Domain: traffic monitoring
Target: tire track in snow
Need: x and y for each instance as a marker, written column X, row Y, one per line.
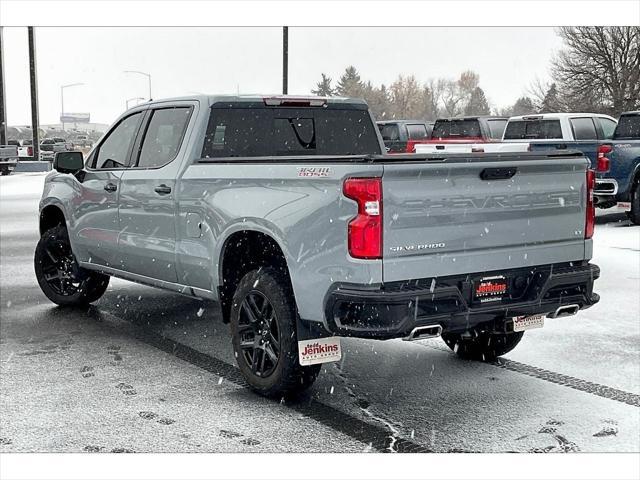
column 559, row 379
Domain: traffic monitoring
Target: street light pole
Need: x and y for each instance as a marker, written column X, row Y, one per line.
column 285, row 60
column 131, row 100
column 3, row 109
column 146, row 75
column 62, row 87
column 33, row 80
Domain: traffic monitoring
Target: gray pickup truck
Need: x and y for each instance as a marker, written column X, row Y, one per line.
column 286, row 211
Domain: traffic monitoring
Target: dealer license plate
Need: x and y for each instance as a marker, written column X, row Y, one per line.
column 520, row 324
column 490, row 289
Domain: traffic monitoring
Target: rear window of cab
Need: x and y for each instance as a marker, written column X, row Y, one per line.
column 628, row 128
column 257, row 132
column 533, row 129
column 456, row 129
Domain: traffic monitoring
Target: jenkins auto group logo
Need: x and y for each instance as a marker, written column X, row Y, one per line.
column 319, row 350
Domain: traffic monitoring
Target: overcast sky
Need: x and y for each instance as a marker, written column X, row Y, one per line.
column 190, row 60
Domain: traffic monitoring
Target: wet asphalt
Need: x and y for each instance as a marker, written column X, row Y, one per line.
column 144, row 370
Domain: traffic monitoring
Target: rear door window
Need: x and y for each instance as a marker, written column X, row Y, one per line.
column 583, row 128
column 389, row 132
column 496, row 128
column 456, row 129
column 533, row 129
column 163, row 136
column 608, row 127
column 417, row 131
column 628, row 128
column 255, row 132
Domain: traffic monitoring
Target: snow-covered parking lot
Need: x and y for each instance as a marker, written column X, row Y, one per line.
column 147, row 371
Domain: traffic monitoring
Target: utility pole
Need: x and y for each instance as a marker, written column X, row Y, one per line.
column 34, row 93
column 285, row 60
column 3, row 108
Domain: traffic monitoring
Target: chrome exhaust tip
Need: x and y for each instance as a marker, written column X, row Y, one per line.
column 565, row 311
column 426, row 331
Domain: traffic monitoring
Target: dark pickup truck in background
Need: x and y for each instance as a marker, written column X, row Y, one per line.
column 401, row 136
column 619, row 185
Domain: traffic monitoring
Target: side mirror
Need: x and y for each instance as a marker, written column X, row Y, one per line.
column 68, row 162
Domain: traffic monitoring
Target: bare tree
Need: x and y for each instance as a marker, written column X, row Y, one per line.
column 452, row 100
column 600, row 67
column 406, row 98
column 432, row 93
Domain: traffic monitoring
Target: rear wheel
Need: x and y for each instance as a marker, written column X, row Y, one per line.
column 60, row 277
column 634, row 214
column 263, row 318
column 482, row 346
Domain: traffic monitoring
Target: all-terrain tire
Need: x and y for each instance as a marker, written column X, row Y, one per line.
column 60, row 277
column 272, row 331
column 484, row 346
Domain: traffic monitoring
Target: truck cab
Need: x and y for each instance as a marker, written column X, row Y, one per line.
column 402, row 136
column 587, row 132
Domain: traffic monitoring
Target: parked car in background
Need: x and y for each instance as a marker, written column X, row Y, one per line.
column 11, row 154
column 50, row 146
column 619, row 186
column 401, row 136
column 286, row 211
column 586, row 132
column 24, row 148
column 82, row 141
column 449, row 133
column 8, row 159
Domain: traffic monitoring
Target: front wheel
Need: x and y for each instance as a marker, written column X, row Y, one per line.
column 60, row 277
column 482, row 346
column 263, row 328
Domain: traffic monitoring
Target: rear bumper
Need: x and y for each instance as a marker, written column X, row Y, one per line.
column 394, row 310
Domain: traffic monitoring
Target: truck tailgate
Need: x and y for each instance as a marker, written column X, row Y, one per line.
column 484, row 213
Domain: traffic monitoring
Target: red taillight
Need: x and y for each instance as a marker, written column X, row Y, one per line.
column 591, row 209
column 603, row 164
column 29, row 151
column 365, row 230
column 411, row 146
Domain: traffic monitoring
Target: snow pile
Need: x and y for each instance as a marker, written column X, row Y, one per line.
column 22, row 185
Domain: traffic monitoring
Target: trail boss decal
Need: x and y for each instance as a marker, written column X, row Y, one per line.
column 314, row 172
column 319, row 350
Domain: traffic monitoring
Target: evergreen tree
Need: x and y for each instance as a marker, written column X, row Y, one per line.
column 477, row 104
column 323, row 87
column 523, row 106
column 350, row 84
column 551, row 102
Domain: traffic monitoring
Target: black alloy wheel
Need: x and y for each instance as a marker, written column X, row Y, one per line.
column 259, row 334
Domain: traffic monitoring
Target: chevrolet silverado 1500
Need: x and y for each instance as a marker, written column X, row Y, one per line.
column 285, row 210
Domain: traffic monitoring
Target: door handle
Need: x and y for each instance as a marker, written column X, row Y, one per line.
column 498, row 173
column 110, row 187
column 162, row 189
